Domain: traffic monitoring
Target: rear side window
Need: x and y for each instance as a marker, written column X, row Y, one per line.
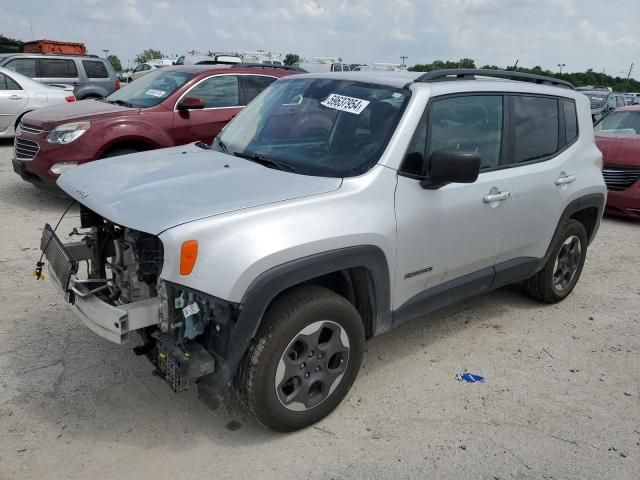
column 25, row 66
column 57, row 68
column 570, row 121
column 218, row 92
column 95, row 69
column 467, row 123
column 536, row 127
column 7, row 83
column 254, row 84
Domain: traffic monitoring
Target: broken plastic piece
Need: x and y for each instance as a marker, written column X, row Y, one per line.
column 469, row 377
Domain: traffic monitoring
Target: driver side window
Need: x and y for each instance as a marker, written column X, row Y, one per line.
column 461, row 123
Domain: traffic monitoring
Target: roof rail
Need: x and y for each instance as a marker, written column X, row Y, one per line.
column 472, row 73
column 268, row 65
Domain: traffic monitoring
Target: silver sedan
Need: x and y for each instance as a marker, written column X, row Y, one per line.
column 20, row 95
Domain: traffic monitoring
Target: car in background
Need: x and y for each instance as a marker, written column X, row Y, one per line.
column 618, row 137
column 209, row 59
column 603, row 101
column 147, row 67
column 20, row 95
column 90, row 76
column 169, row 107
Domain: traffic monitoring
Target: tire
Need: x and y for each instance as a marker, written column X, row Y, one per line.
column 305, row 330
column 554, row 283
column 119, row 151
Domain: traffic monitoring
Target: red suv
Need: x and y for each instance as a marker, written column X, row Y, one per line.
column 171, row 106
column 618, row 136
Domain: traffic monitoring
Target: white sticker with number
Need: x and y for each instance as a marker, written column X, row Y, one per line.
column 156, row 93
column 192, row 309
column 345, row 104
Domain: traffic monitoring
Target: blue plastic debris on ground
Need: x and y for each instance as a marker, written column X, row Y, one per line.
column 469, row 377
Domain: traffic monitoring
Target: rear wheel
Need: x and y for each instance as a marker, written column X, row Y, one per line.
column 303, row 360
column 561, row 272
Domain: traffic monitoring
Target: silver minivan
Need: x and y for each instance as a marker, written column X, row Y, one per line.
column 91, row 76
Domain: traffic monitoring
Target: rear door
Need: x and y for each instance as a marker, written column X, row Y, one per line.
column 544, row 131
column 12, row 101
column 58, row 70
column 222, row 101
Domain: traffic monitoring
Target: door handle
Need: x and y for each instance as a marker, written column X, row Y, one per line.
column 15, row 97
column 496, row 197
column 563, row 179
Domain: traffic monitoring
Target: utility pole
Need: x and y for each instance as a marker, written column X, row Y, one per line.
column 31, row 28
column 561, row 65
column 106, row 53
column 403, row 58
column 626, row 86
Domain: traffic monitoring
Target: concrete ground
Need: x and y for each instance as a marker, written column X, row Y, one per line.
column 561, row 398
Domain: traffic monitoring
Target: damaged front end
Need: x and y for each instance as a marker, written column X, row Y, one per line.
column 111, row 277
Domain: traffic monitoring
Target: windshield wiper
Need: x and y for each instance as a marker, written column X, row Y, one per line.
column 221, row 144
column 267, row 162
column 121, row 102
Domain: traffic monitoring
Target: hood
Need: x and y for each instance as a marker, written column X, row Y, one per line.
column 159, row 189
column 619, row 149
column 76, row 111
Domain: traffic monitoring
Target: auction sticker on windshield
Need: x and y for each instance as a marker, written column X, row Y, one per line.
column 155, row 93
column 345, row 104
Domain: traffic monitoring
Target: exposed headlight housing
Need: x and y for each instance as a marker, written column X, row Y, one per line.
column 61, row 167
column 68, row 132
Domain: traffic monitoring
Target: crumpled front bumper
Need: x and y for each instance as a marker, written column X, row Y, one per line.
column 111, row 322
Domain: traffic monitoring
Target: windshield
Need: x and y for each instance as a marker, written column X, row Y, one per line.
column 314, row 126
column 597, row 99
column 623, row 123
column 151, row 89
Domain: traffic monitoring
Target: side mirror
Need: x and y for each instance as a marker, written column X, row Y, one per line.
column 451, row 167
column 191, row 103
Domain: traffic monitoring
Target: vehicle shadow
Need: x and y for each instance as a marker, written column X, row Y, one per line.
column 101, row 392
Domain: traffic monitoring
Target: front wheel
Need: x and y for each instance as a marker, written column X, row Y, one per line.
column 561, row 272
column 303, row 360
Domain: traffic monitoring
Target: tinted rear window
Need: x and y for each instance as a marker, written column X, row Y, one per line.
column 57, row 68
column 570, row 121
column 536, row 127
column 95, row 69
column 254, row 84
column 7, row 83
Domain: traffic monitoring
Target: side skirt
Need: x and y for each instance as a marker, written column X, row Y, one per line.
column 467, row 286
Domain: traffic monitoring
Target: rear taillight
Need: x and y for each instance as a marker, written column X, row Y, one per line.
column 70, row 98
column 117, row 84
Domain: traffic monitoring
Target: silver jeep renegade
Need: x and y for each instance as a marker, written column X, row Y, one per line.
column 333, row 208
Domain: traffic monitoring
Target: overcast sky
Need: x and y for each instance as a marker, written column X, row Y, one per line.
column 579, row 33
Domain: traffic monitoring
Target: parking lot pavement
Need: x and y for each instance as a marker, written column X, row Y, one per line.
column 561, row 397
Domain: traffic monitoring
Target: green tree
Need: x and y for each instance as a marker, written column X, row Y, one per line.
column 291, row 58
column 115, row 62
column 147, row 55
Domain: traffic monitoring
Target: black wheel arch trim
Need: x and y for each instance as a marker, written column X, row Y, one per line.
column 592, row 200
column 274, row 281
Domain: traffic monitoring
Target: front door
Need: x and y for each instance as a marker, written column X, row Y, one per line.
column 221, row 97
column 450, row 237
column 12, row 101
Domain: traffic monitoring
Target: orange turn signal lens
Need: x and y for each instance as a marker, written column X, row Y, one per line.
column 188, row 256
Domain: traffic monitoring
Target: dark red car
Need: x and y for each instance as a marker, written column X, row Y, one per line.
column 618, row 137
column 171, row 106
